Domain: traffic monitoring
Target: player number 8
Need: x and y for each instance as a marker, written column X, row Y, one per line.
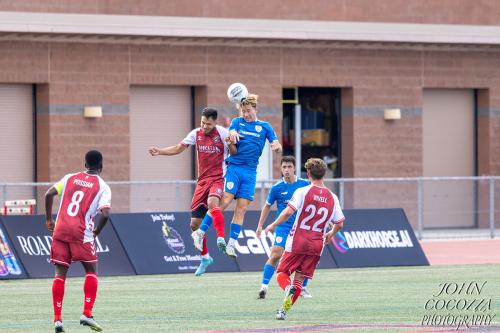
column 74, row 206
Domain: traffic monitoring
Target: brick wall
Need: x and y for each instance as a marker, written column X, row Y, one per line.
column 423, row 11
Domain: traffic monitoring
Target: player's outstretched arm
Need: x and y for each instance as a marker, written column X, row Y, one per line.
column 330, row 234
column 263, row 216
column 169, row 151
column 231, row 146
column 102, row 221
column 49, row 200
column 284, row 216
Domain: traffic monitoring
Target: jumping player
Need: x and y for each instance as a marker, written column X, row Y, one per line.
column 212, row 148
column 281, row 193
column 317, row 207
column 83, row 195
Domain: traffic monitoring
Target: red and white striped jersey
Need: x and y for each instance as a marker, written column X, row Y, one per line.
column 83, row 195
column 211, row 150
column 316, row 207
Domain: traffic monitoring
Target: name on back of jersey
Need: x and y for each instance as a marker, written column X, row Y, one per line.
column 320, row 198
column 82, row 183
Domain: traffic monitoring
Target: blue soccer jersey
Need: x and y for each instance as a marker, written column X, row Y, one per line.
column 280, row 193
column 253, row 141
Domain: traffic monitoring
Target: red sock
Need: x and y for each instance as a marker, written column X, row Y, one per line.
column 298, row 285
column 218, row 221
column 205, row 248
column 57, row 297
column 283, row 280
column 90, row 292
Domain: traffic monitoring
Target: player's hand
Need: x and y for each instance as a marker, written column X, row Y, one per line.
column 276, row 147
column 154, row 151
column 235, row 136
column 328, row 236
column 50, row 225
column 269, row 228
column 258, row 231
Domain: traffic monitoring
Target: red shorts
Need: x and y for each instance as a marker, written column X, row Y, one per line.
column 303, row 263
column 204, row 189
column 64, row 253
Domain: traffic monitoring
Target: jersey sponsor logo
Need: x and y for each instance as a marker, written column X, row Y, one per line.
column 258, row 128
column 284, row 193
column 349, row 240
column 83, row 183
column 173, row 239
column 249, row 243
column 209, row 149
column 250, row 133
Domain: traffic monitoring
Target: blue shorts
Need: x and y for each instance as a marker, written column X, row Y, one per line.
column 240, row 181
column 280, row 236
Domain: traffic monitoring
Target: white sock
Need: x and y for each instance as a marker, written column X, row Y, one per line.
column 231, row 242
column 205, row 256
column 264, row 286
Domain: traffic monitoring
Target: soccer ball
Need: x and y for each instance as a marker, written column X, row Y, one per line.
column 237, row 92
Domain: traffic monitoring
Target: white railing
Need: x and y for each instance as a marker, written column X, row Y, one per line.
column 457, row 206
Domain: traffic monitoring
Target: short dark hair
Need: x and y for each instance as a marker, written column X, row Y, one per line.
column 316, row 168
column 288, row 159
column 93, row 159
column 209, row 113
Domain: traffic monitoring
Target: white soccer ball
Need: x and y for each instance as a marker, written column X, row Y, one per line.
column 237, row 92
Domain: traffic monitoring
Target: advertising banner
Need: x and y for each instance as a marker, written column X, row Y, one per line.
column 10, row 265
column 377, row 237
column 32, row 241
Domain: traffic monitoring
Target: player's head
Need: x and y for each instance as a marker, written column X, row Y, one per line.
column 93, row 160
column 288, row 166
column 208, row 120
column 248, row 107
column 316, row 168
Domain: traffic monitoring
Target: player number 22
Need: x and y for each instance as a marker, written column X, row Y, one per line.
column 74, row 206
column 311, row 209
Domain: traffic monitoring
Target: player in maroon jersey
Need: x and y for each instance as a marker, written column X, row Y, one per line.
column 211, row 142
column 317, row 208
column 83, row 195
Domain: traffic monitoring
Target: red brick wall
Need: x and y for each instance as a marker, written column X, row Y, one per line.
column 423, row 11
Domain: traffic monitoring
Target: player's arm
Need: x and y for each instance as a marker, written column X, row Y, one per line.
column 273, row 139
column 276, row 146
column 263, row 216
column 49, row 200
column 330, row 234
column 284, row 216
column 103, row 219
column 169, row 151
column 231, row 146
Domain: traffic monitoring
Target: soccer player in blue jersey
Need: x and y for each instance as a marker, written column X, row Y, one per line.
column 249, row 134
column 280, row 193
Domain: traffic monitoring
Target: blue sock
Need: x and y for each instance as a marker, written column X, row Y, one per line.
column 304, row 284
column 267, row 273
column 206, row 223
column 234, row 231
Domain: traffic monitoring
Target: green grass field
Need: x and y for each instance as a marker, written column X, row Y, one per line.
column 227, row 301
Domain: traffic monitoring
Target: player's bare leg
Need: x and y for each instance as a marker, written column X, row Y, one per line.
column 238, row 217
column 90, row 291
column 58, row 295
column 274, row 257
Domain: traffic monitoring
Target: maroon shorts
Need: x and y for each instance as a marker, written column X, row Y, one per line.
column 204, row 189
column 64, row 253
column 303, row 263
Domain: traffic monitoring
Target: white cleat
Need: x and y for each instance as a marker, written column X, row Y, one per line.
column 58, row 327
column 305, row 293
column 197, row 236
column 90, row 322
column 231, row 251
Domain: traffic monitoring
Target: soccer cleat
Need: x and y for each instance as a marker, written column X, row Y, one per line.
column 288, row 301
column 197, row 236
column 305, row 293
column 280, row 314
column 231, row 251
column 262, row 293
column 204, row 263
column 58, row 327
column 90, row 322
column 221, row 244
